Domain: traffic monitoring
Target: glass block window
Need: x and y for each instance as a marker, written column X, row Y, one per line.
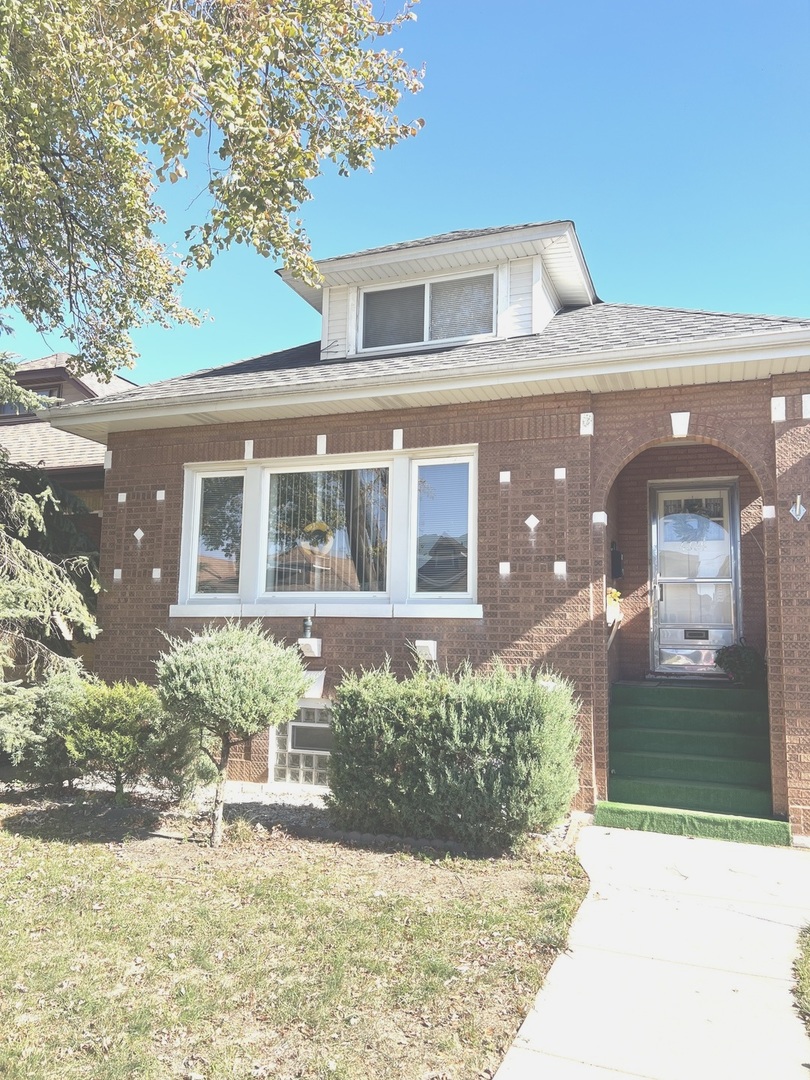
column 219, row 540
column 327, row 531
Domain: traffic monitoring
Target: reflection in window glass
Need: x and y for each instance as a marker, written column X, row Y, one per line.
column 442, row 522
column 220, row 537
column 328, row 531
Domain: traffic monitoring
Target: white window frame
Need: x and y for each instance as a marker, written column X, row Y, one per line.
column 267, row 595
column 472, row 516
column 426, row 341
column 253, row 601
column 188, row 573
column 305, row 724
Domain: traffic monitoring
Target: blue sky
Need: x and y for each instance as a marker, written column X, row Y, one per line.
column 674, row 135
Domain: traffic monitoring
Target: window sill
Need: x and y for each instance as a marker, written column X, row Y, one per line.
column 323, row 610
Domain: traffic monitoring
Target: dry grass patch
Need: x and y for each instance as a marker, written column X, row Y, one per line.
column 152, row 957
column 801, row 969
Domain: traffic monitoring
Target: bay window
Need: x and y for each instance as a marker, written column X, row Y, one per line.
column 391, row 535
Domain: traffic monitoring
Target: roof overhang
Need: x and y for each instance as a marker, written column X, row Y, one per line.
column 739, row 359
column 555, row 241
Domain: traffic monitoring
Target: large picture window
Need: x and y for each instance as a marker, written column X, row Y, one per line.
column 388, row 536
column 327, row 531
column 434, row 311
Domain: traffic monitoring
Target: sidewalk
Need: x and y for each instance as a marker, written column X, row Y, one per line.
column 679, row 966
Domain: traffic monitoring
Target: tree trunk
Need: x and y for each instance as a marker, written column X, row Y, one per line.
column 219, row 793
column 119, row 789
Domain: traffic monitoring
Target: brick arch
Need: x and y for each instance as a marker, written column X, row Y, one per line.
column 708, row 428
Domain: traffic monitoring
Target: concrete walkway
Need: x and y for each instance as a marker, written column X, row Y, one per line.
column 679, row 966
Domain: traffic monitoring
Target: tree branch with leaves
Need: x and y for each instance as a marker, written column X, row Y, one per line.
column 101, row 103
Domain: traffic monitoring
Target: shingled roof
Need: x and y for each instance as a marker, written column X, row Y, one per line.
column 600, row 328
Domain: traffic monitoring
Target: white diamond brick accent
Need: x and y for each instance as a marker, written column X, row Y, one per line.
column 532, row 521
column 139, row 534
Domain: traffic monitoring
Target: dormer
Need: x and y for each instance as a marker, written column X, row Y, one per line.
column 483, row 285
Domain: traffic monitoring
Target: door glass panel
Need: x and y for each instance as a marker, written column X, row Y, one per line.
column 696, row 604
column 694, row 538
column 695, row 587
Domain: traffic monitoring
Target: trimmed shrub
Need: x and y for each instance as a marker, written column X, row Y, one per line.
column 481, row 759
column 45, row 759
column 115, row 733
column 225, row 684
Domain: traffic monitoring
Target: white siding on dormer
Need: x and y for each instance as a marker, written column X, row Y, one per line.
column 519, row 319
column 336, row 322
column 545, row 302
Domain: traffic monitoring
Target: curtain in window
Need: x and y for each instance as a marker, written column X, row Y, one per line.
column 394, row 316
column 327, row 531
column 461, row 308
column 442, row 521
column 220, row 537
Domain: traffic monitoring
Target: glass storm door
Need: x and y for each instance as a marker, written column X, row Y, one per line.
column 695, row 590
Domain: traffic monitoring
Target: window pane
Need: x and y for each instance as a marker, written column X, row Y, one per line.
column 220, row 534
column 442, row 528
column 310, row 737
column 394, row 316
column 328, row 531
column 461, row 308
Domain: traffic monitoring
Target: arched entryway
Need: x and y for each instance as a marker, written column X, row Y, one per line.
column 686, row 518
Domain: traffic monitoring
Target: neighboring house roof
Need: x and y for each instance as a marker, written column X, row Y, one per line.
column 31, row 441
column 49, row 449
column 60, row 361
column 596, row 348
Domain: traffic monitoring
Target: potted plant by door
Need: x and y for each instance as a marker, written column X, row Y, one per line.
column 613, row 606
column 743, row 664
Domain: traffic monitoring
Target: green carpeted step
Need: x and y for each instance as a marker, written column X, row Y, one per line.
column 705, row 743
column 708, row 695
column 721, row 770
column 691, row 795
column 703, row 719
column 746, row 830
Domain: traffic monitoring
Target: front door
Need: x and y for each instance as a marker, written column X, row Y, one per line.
column 694, row 547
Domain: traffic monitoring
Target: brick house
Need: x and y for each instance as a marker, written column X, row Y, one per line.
column 473, row 453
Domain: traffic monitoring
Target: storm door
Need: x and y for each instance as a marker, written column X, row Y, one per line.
column 695, row 574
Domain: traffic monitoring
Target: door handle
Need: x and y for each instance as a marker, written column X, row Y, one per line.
column 660, row 593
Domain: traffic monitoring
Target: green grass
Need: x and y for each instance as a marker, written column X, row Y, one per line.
column 276, row 957
column 801, row 970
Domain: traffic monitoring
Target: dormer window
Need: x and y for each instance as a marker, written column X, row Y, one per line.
column 9, row 409
column 449, row 309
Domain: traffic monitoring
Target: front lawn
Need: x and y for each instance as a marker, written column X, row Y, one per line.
column 125, row 954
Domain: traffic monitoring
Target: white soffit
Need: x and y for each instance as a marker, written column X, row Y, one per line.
column 556, row 242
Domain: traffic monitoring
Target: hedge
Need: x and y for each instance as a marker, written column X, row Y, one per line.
column 480, row 759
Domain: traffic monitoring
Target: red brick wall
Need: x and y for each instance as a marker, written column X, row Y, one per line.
column 530, row 616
